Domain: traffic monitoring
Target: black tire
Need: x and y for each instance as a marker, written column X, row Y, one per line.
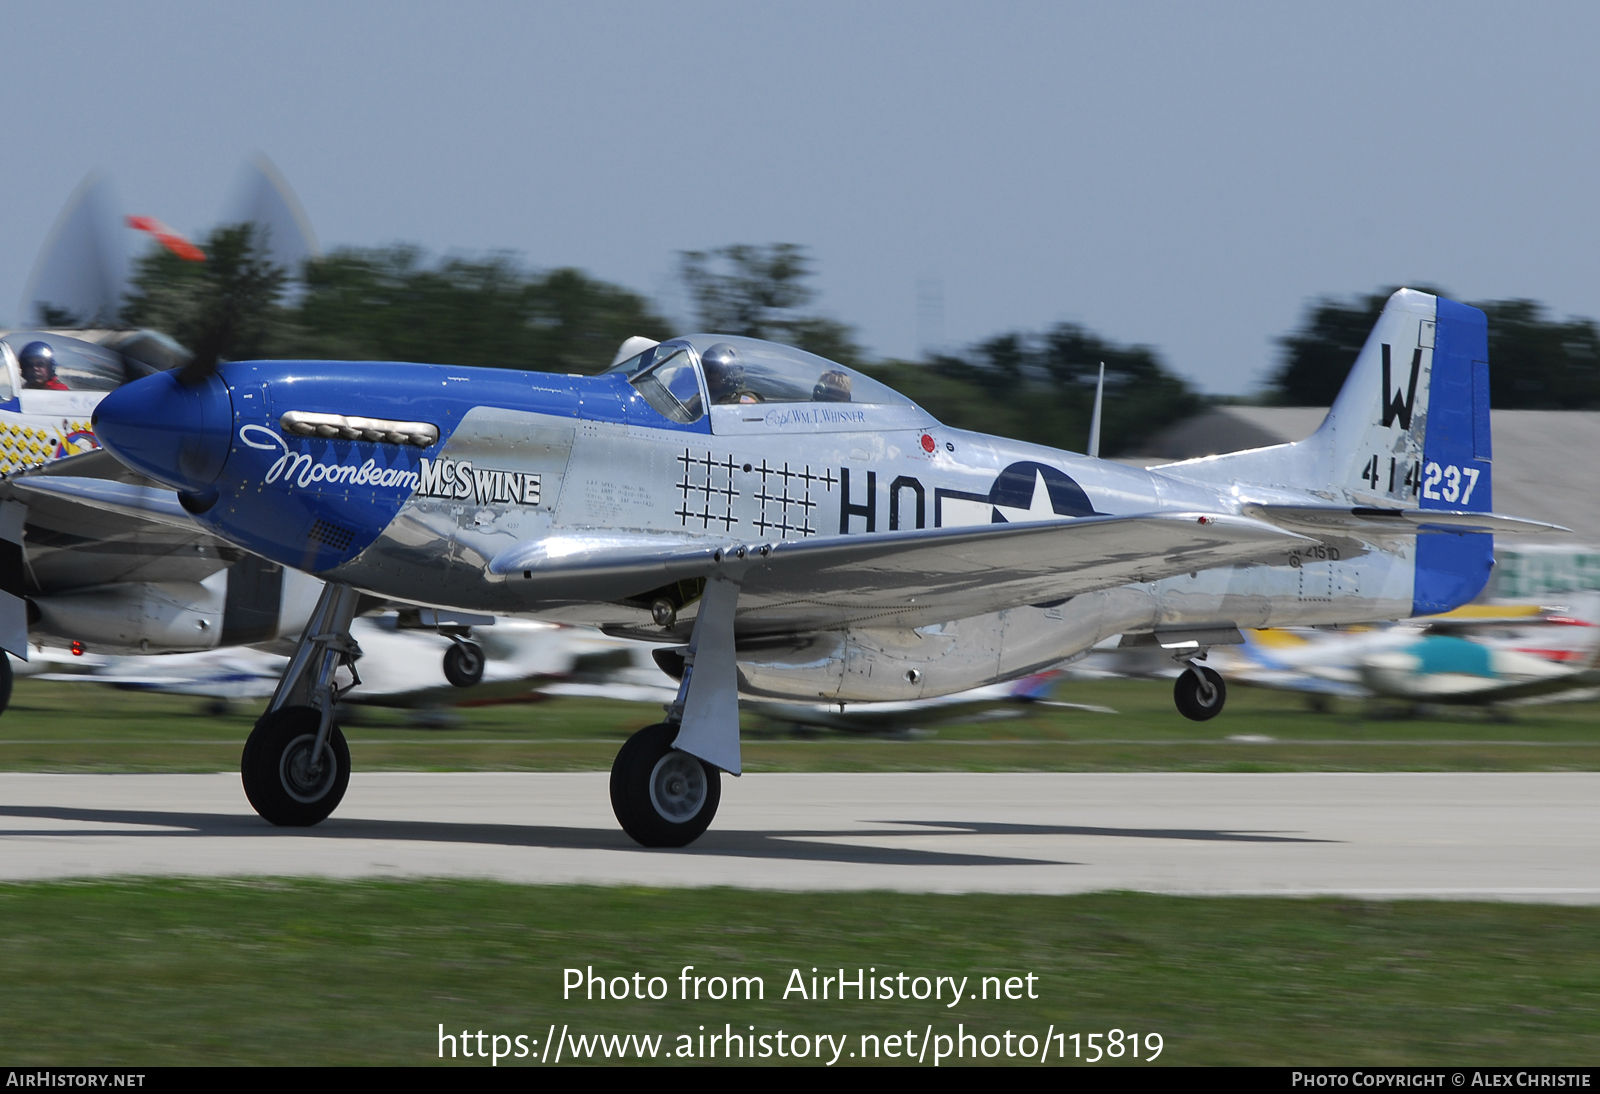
column 273, row 768
column 663, row 797
column 7, row 679
column 463, row 664
column 1200, row 693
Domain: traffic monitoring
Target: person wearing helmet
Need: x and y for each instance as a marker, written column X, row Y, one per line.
column 833, row 386
column 38, row 363
column 725, row 376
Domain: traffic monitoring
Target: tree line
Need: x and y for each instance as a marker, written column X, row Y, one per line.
column 396, row 304
column 1537, row 362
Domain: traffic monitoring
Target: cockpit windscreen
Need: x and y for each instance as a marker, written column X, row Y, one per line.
column 746, row 370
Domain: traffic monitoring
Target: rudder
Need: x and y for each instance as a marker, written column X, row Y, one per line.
column 1457, row 462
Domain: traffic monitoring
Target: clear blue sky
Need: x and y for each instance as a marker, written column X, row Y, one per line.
column 1182, row 175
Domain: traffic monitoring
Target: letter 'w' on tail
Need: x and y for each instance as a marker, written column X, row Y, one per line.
column 1396, row 407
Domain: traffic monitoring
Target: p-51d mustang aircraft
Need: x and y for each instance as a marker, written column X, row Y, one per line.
column 790, row 529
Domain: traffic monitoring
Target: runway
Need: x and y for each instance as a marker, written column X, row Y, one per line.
column 1509, row 836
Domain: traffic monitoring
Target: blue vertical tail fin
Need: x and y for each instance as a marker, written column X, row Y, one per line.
column 1410, row 428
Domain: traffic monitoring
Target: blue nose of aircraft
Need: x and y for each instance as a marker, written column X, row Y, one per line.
column 174, row 433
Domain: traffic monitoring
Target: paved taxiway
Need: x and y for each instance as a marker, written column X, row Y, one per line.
column 1529, row 837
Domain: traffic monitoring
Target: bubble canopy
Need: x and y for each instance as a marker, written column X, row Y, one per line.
column 747, row 370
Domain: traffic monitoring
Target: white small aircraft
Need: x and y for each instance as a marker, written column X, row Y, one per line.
column 1480, row 655
column 403, row 666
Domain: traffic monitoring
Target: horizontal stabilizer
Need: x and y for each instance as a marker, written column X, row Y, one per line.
column 1318, row 519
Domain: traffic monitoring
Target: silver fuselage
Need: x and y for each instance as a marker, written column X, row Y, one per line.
column 768, row 474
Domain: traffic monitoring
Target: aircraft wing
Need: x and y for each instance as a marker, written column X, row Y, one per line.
column 86, row 520
column 1289, row 680
column 94, row 464
column 131, row 503
column 1579, row 680
column 908, row 578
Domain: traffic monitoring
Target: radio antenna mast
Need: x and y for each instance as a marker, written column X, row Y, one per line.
column 1094, row 423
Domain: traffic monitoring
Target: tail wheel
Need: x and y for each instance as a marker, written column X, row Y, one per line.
column 280, row 780
column 663, row 797
column 1199, row 693
column 463, row 664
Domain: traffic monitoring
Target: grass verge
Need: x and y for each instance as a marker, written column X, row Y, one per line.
column 88, row 727
column 318, row 972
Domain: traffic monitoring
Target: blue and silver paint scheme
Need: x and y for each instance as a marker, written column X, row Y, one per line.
column 525, row 470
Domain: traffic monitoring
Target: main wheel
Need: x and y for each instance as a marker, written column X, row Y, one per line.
column 7, row 678
column 663, row 797
column 1199, row 693
column 463, row 664
column 279, row 778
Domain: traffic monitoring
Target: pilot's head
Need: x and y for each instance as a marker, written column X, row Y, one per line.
column 833, row 386
column 38, row 363
column 724, row 373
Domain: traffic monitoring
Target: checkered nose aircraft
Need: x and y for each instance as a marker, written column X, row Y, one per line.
column 78, row 569
column 786, row 528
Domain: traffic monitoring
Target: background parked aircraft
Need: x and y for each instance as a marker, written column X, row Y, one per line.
column 1478, row 655
column 409, row 667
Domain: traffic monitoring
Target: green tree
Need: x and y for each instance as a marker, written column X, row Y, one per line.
column 389, row 304
column 1535, row 362
column 757, row 291
column 393, row 303
column 225, row 308
column 1539, row 363
column 1040, row 388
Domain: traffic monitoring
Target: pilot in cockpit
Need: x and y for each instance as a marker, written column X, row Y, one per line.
column 833, row 386
column 725, row 376
column 38, row 363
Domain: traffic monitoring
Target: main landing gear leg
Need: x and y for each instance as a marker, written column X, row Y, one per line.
column 296, row 764
column 666, row 781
